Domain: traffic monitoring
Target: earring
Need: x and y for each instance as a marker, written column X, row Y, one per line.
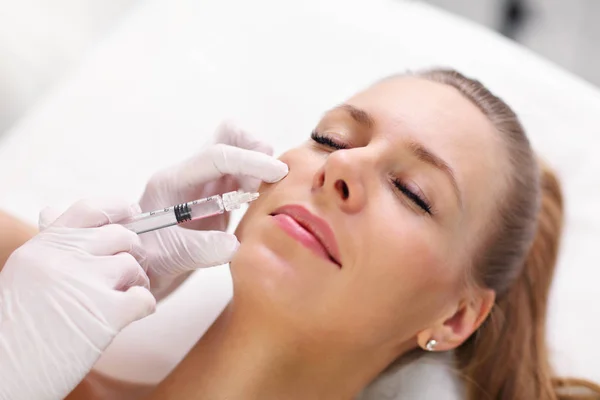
column 430, row 346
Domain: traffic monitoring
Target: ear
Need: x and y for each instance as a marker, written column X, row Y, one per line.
column 452, row 330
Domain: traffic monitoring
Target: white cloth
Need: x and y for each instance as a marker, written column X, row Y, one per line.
column 431, row 376
column 162, row 81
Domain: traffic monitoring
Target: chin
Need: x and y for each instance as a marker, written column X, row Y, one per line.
column 277, row 276
column 268, row 290
column 264, row 265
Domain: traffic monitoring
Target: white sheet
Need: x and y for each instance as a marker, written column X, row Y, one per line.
column 158, row 85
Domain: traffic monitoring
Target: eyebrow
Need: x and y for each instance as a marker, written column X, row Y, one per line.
column 421, row 152
column 427, row 156
column 359, row 116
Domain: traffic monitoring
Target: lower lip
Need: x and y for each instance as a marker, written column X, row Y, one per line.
column 295, row 230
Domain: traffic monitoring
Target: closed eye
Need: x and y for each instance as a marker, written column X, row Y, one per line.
column 327, row 141
column 414, row 197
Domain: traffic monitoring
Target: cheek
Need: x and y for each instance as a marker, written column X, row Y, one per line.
column 408, row 264
column 402, row 244
column 402, row 280
column 412, row 248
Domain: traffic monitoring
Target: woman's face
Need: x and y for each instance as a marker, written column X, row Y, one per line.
column 368, row 238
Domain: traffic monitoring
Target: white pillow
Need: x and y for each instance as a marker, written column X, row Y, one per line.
column 157, row 87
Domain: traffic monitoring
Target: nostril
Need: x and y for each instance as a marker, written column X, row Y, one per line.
column 321, row 180
column 342, row 188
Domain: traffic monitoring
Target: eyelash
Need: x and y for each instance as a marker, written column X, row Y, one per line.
column 415, row 198
column 327, row 141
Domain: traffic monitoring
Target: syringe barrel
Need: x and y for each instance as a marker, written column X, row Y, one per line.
column 206, row 207
column 178, row 214
column 190, row 211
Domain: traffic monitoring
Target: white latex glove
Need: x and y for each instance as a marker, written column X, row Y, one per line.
column 64, row 295
column 235, row 161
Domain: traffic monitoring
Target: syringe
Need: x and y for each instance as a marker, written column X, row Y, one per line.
column 190, row 211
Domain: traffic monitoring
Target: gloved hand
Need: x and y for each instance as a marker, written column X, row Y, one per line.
column 235, row 161
column 64, row 295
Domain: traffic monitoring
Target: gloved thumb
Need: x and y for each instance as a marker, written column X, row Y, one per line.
column 136, row 303
column 47, row 217
column 191, row 249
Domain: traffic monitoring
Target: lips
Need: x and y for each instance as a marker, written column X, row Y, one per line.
column 311, row 231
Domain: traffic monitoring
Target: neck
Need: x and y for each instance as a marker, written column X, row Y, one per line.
column 240, row 360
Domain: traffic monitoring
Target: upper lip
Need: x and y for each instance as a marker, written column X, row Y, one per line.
column 317, row 226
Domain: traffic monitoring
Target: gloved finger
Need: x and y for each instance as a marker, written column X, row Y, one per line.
column 189, row 250
column 127, row 272
column 220, row 160
column 133, row 304
column 250, row 184
column 113, row 239
column 95, row 213
column 119, row 272
column 229, row 133
column 47, row 217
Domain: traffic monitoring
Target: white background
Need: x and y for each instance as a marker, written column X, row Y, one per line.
column 157, row 85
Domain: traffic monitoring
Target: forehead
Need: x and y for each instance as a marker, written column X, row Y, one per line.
column 440, row 118
column 429, row 111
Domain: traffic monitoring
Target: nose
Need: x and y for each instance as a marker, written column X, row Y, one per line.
column 342, row 179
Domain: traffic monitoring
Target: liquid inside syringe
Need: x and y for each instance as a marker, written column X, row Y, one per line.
column 190, row 211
